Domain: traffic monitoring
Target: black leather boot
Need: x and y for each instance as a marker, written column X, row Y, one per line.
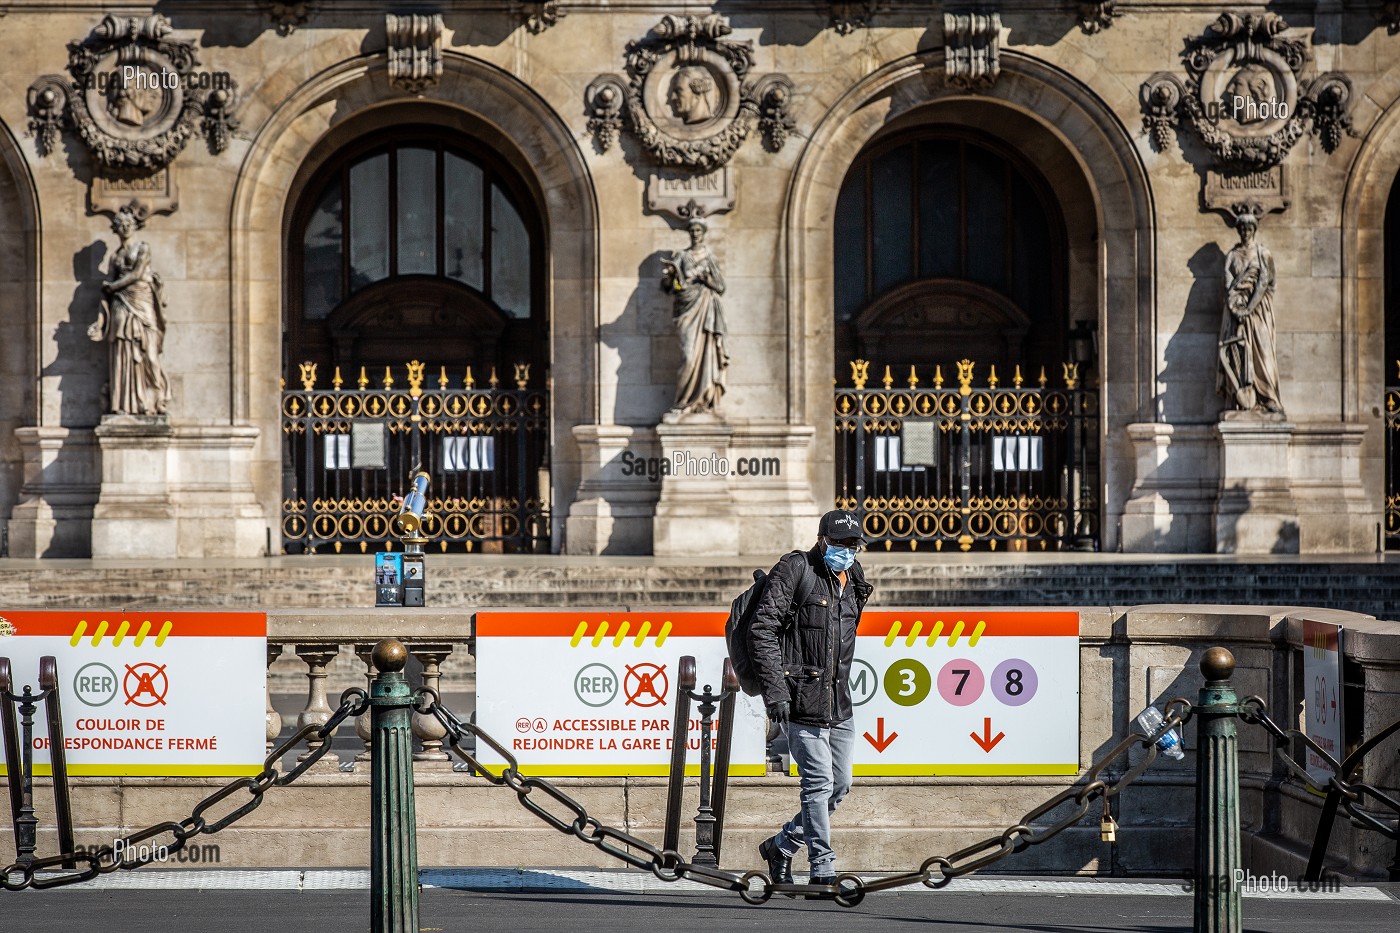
column 779, row 865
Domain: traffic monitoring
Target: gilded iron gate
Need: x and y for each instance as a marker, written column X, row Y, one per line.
column 348, row 451
column 1013, row 466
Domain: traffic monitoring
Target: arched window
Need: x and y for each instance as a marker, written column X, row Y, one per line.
column 948, row 245
column 421, row 248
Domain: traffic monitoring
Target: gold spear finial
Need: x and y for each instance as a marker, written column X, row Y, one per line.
column 992, row 379
column 337, row 381
column 388, row 378
column 363, row 380
column 913, row 378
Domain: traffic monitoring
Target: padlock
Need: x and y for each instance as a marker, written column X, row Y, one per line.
column 1108, row 830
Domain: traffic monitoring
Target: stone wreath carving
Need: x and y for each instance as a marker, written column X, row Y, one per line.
column 1244, row 95
column 688, row 98
column 135, row 97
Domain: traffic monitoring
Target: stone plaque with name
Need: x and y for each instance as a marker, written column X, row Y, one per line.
column 157, row 192
column 1267, row 188
column 670, row 193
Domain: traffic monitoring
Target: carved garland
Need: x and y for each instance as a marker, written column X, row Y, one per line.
column 1233, row 44
column 696, row 43
column 153, row 142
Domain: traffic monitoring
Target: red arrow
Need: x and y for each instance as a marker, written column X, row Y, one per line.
column 985, row 740
column 884, row 741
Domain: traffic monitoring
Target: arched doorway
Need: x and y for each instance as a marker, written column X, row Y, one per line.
column 951, row 272
column 416, row 324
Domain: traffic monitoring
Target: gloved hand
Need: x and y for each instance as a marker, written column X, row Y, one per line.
column 779, row 712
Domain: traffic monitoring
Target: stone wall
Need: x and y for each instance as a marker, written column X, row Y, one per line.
column 1145, row 260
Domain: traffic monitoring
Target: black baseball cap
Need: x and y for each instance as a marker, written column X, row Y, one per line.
column 838, row 525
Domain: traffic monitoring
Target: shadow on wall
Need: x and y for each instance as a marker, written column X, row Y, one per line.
column 1252, row 535
column 648, row 353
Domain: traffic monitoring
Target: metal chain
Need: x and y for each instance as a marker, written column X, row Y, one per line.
column 756, row 887
column 103, row 861
column 1254, row 711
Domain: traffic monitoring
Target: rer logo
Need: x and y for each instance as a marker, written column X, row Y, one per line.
column 95, row 684
column 145, row 684
column 595, row 685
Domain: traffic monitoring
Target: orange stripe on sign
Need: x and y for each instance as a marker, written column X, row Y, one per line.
column 587, row 627
column 968, row 621
column 118, row 623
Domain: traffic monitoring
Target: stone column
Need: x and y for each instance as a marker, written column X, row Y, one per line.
column 1256, row 513
column 695, row 516
column 134, row 516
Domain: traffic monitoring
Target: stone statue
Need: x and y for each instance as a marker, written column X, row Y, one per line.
column 1248, row 366
column 694, row 97
column 132, row 322
column 693, row 279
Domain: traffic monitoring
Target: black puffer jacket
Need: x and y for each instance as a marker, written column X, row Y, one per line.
column 806, row 660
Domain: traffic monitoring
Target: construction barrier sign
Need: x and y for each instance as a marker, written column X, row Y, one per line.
column 594, row 693
column 147, row 693
column 966, row 692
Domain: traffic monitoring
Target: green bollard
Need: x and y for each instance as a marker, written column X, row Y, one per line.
column 393, row 861
column 1217, row 908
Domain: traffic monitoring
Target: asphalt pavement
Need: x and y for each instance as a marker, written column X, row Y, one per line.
column 521, row 900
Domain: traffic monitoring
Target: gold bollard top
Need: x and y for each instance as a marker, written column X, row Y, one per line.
column 1218, row 664
column 389, row 656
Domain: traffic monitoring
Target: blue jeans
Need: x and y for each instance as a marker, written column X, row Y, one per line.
column 823, row 757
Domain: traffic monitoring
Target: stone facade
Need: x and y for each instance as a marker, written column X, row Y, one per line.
column 1144, row 248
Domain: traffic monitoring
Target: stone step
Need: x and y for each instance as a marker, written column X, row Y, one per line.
column 1367, row 586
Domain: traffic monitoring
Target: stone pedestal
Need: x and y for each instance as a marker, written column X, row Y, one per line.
column 1255, row 512
column 695, row 515
column 54, row 515
column 621, row 480
column 1172, row 505
column 134, row 516
column 772, row 489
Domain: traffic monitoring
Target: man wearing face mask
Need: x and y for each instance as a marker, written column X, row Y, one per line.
column 802, row 654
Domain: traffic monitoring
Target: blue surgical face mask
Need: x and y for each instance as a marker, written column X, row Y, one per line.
column 839, row 559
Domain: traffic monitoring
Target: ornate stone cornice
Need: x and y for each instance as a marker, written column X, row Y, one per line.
column 1244, row 96
column 689, row 99
column 971, row 43
column 1096, row 16
column 415, row 50
column 135, row 97
column 846, row 18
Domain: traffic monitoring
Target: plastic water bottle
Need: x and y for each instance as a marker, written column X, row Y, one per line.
column 1150, row 721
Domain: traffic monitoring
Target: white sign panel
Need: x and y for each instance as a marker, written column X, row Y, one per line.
column 1322, row 689
column 966, row 692
column 147, row 693
column 593, row 693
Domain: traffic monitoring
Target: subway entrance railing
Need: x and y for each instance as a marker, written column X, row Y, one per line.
column 1008, row 464
column 391, row 703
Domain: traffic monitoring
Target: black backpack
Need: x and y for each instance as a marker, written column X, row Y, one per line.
column 740, row 622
